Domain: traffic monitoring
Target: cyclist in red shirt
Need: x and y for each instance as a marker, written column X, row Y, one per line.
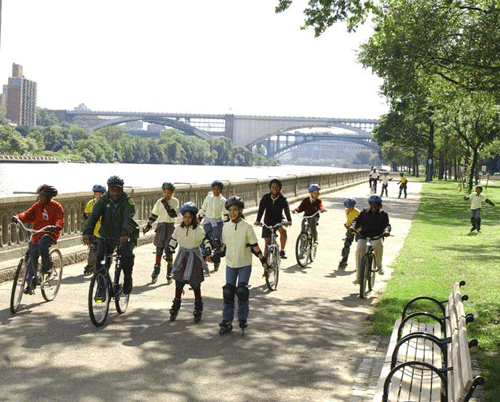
column 310, row 205
column 44, row 212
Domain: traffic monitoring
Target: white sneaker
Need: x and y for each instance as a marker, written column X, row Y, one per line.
column 380, row 271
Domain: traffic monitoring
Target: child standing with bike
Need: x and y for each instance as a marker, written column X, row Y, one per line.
column 477, row 199
column 351, row 213
column 44, row 212
column 310, row 205
column 189, row 264
column 274, row 204
column 238, row 244
column 164, row 212
column 94, row 238
column 371, row 222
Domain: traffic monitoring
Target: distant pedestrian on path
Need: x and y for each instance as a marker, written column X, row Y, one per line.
column 477, row 199
column 385, row 184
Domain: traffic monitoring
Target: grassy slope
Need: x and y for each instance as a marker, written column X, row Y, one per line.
column 438, row 252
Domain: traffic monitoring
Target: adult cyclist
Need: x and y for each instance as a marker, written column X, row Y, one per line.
column 371, row 222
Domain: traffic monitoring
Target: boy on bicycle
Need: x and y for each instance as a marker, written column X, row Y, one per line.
column 118, row 228
column 94, row 239
column 274, row 204
column 310, row 205
column 164, row 211
column 371, row 222
column 373, row 179
column 350, row 213
column 44, row 212
column 475, row 207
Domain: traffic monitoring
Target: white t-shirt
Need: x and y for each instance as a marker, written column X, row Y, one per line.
column 374, row 175
column 213, row 207
column 385, row 179
column 476, row 200
column 187, row 237
column 236, row 236
column 161, row 212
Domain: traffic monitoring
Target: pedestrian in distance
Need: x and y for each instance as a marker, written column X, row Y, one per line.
column 44, row 212
column 238, row 243
column 116, row 211
column 477, row 199
column 189, row 264
column 164, row 212
column 94, row 238
column 310, row 205
column 385, row 184
column 272, row 206
column 403, row 183
column 351, row 213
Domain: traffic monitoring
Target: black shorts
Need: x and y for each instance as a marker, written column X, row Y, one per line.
column 266, row 233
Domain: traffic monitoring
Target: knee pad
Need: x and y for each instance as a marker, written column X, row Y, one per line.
column 228, row 292
column 242, row 292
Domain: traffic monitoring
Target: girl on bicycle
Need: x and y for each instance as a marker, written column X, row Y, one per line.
column 189, row 264
column 371, row 222
column 238, row 244
column 164, row 211
column 310, row 205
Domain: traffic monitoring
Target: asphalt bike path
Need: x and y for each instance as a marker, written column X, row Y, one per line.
column 305, row 342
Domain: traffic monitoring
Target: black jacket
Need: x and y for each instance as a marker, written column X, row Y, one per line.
column 372, row 224
column 274, row 209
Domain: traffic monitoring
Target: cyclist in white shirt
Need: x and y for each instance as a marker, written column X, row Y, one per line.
column 477, row 199
column 374, row 176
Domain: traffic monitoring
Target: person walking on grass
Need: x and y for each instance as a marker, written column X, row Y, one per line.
column 477, row 199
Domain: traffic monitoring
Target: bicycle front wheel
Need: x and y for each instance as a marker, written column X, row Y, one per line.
column 51, row 285
column 364, row 275
column 18, row 286
column 301, row 249
column 373, row 272
column 312, row 252
column 121, row 299
column 273, row 261
column 99, row 299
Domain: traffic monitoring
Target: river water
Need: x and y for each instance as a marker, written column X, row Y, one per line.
column 77, row 177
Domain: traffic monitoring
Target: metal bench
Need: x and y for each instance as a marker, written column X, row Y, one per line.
column 428, row 358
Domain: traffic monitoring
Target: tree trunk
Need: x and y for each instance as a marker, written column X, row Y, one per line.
column 441, row 165
column 473, row 167
column 430, row 154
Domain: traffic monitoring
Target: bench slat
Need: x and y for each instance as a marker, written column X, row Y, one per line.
column 465, row 360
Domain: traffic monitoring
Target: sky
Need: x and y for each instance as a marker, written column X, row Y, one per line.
column 189, row 56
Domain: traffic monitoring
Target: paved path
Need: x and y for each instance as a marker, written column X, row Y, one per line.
column 305, row 342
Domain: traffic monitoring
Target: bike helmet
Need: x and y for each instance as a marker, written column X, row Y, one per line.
column 479, row 187
column 97, row 188
column 167, row 186
column 189, row 207
column 401, row 174
column 375, row 199
column 217, row 183
column 47, row 190
column 235, row 201
column 349, row 202
column 277, row 181
column 314, row 187
column 115, row 181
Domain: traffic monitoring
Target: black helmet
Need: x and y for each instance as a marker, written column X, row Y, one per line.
column 189, row 207
column 167, row 186
column 47, row 190
column 115, row 181
column 479, row 187
column 401, row 174
column 97, row 188
column 375, row 199
column 277, row 181
column 235, row 201
column 217, row 183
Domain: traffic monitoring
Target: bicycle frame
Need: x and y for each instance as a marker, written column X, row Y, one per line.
column 273, row 257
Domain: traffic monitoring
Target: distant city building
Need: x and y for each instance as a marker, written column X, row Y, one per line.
column 20, row 98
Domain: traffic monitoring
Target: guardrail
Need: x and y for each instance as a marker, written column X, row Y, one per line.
column 12, row 240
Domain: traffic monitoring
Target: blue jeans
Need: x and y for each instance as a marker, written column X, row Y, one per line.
column 242, row 275
column 475, row 218
column 215, row 232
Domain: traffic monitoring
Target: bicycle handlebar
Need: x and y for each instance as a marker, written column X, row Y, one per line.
column 46, row 229
column 368, row 238
column 311, row 216
column 275, row 227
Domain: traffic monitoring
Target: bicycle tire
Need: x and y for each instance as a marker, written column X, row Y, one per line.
column 121, row 299
column 272, row 259
column 373, row 272
column 98, row 310
column 312, row 252
column 18, row 286
column 50, row 287
column 301, row 250
column 363, row 275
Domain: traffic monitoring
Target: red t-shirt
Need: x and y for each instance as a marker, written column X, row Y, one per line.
column 44, row 215
column 308, row 207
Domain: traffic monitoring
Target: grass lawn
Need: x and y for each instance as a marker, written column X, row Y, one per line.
column 440, row 251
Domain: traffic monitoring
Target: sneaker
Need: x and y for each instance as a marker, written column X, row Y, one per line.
column 282, row 254
column 342, row 265
column 99, row 295
column 88, row 270
column 315, row 243
column 478, row 231
column 472, row 229
column 380, row 271
column 355, row 282
column 127, row 285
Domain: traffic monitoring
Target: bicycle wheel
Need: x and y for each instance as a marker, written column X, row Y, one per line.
column 301, row 250
column 50, row 287
column 18, row 286
column 312, row 252
column 121, row 299
column 373, row 272
column 272, row 259
column 364, row 275
column 99, row 299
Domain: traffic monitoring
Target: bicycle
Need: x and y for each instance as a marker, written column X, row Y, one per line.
column 49, row 282
column 305, row 247
column 102, row 289
column 272, row 257
column 368, row 267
